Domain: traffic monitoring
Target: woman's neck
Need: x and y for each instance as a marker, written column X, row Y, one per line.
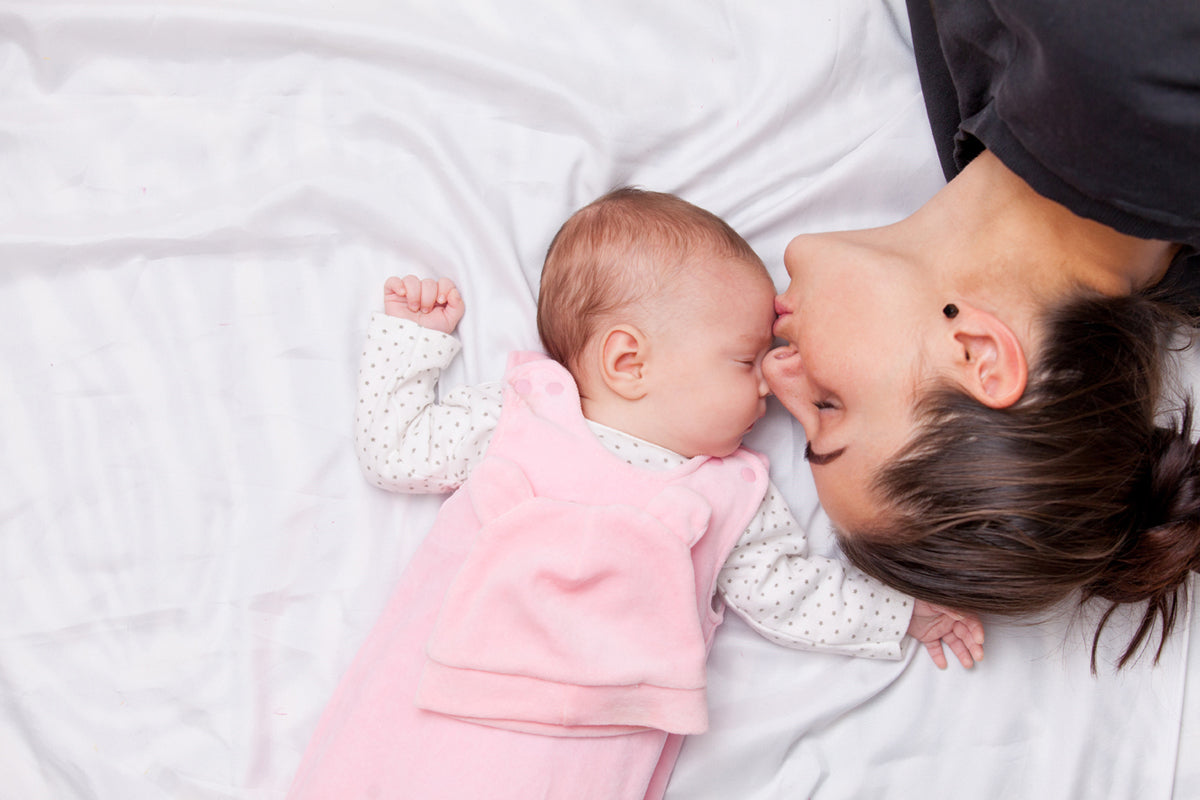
column 1002, row 232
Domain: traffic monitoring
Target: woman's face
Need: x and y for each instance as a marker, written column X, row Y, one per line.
column 854, row 325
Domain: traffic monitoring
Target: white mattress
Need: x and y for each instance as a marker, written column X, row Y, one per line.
column 201, row 200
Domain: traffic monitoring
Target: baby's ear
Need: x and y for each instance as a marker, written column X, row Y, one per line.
column 988, row 359
column 623, row 360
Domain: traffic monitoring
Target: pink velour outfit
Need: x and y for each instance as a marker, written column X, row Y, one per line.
column 548, row 638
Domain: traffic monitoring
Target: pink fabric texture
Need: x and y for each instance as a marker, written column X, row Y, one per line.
column 564, row 600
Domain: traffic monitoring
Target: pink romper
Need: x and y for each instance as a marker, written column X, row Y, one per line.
column 548, row 638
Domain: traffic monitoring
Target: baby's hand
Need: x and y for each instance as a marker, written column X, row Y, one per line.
column 433, row 304
column 932, row 625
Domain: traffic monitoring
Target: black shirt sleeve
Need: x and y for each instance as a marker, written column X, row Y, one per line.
column 1096, row 105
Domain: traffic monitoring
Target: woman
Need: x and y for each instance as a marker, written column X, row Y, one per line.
column 978, row 382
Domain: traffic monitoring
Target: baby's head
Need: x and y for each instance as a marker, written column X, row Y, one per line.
column 663, row 313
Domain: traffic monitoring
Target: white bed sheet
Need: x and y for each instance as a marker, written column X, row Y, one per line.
column 200, row 202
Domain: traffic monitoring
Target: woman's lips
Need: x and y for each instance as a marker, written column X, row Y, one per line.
column 781, row 311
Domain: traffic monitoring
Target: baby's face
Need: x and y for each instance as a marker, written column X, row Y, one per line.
column 708, row 386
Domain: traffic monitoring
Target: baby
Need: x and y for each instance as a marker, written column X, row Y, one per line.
column 548, row 639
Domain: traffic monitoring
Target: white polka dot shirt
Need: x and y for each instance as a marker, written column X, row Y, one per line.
column 407, row 441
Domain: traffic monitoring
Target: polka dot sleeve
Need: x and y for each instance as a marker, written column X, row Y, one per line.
column 805, row 601
column 405, row 440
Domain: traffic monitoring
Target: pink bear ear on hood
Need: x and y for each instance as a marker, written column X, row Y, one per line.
column 497, row 485
column 684, row 512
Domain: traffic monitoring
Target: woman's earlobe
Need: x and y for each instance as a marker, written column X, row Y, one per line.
column 991, row 365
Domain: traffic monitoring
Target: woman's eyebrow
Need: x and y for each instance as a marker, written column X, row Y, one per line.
column 820, row 459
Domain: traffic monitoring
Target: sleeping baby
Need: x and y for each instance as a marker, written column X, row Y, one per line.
column 549, row 637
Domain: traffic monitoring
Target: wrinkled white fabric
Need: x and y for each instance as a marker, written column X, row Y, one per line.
column 201, row 200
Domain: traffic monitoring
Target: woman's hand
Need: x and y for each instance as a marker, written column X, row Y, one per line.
column 431, row 303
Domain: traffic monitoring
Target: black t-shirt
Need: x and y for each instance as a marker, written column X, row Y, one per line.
column 1095, row 104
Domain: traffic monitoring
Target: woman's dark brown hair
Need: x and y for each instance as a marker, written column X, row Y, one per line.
column 1079, row 489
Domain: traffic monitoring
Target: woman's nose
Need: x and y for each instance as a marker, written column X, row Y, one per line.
column 786, row 359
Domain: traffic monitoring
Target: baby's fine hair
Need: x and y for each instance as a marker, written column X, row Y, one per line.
column 618, row 251
column 1081, row 489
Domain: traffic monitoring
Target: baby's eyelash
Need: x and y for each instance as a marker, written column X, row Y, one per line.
column 824, row 405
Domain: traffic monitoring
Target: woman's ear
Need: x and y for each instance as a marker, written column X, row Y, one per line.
column 623, row 361
column 989, row 360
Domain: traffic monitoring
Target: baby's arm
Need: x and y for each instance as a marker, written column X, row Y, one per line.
column 808, row 602
column 404, row 439
column 813, row 603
